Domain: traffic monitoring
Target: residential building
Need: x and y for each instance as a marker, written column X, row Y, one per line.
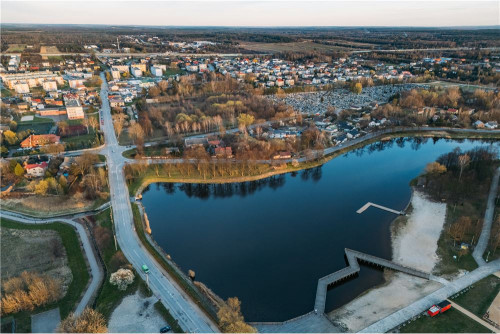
column 39, row 140
column 74, row 109
column 36, row 170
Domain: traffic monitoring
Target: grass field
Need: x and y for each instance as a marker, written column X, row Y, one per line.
column 76, row 263
column 452, row 321
column 479, row 298
column 39, row 125
column 16, row 47
column 305, row 46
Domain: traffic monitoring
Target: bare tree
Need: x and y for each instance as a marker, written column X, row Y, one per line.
column 463, row 161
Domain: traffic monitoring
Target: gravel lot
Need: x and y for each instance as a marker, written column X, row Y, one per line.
column 136, row 314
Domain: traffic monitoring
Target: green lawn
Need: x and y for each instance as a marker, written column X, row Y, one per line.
column 109, row 296
column 76, row 262
column 479, row 298
column 452, row 321
column 39, row 125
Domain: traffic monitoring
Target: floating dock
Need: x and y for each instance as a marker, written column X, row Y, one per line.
column 367, row 205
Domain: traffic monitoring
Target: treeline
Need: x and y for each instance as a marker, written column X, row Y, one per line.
column 404, row 106
column 458, row 175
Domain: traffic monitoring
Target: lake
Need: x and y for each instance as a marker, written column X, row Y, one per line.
column 269, row 241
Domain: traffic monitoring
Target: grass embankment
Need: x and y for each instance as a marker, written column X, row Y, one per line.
column 479, row 298
column 76, row 263
column 50, row 206
column 452, row 321
column 195, row 295
column 165, row 313
column 109, row 296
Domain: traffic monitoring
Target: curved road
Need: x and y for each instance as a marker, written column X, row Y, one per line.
column 96, row 274
column 187, row 313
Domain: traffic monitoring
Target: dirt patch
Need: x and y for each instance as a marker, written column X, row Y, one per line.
column 414, row 244
column 49, row 49
column 136, row 314
column 41, row 205
column 34, row 250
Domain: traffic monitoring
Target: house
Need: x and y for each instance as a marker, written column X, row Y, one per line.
column 283, row 155
column 478, row 125
column 491, row 125
column 156, row 71
column 36, row 170
column 39, row 140
column 116, row 101
column 224, row 152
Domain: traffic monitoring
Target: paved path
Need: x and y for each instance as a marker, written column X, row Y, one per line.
column 414, row 309
column 473, row 316
column 484, row 238
column 367, row 205
column 182, row 307
column 46, row 322
column 96, row 274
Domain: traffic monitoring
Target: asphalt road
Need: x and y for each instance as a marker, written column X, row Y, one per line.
column 188, row 314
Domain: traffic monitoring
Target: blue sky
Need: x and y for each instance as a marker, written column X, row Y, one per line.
column 254, row 13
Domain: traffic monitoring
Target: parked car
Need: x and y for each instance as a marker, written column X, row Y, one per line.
column 165, row 329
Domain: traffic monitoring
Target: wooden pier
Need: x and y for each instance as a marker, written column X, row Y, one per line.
column 367, row 205
column 353, row 259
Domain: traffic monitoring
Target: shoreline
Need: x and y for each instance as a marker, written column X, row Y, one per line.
column 385, row 136
column 412, row 232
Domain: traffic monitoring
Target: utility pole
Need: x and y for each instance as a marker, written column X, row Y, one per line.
column 487, row 256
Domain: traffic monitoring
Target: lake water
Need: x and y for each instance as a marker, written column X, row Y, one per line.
column 268, row 242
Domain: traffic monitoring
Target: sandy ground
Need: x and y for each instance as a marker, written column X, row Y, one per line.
column 414, row 245
column 136, row 314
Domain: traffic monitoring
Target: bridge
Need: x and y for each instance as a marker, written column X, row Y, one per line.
column 367, row 205
column 353, row 259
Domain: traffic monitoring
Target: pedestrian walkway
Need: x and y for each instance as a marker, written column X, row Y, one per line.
column 473, row 316
column 367, row 205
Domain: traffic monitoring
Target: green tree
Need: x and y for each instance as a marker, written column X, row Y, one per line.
column 19, row 170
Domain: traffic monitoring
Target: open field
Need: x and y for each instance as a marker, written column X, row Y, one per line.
column 40, row 247
column 16, row 48
column 479, row 298
column 304, row 46
column 39, row 125
column 452, row 321
column 76, row 263
column 51, row 49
